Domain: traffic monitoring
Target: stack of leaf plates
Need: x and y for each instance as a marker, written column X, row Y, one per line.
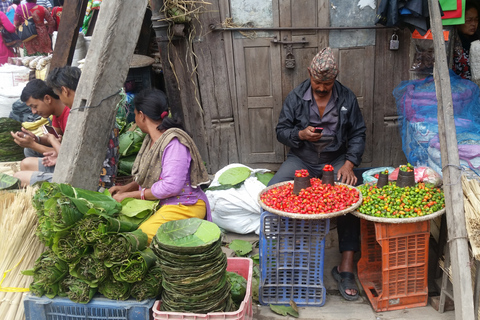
column 193, row 267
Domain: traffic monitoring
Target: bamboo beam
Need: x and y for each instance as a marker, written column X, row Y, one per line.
column 456, row 228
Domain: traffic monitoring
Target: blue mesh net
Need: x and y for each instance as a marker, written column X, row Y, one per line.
column 417, row 107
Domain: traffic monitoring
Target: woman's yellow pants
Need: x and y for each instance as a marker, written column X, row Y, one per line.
column 171, row 213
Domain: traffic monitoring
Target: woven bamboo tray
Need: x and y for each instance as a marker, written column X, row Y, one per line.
column 309, row 216
column 398, row 220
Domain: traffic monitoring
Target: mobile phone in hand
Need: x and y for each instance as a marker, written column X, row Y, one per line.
column 51, row 130
column 318, row 130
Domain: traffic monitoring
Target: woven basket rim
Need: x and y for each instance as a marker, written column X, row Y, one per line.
column 309, row 216
column 399, row 220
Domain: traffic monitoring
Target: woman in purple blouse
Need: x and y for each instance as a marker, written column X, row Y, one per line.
column 168, row 166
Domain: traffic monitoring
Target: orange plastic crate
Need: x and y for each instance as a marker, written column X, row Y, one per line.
column 393, row 269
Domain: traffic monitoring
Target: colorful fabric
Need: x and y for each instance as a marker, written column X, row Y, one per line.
column 42, row 43
column 461, row 55
column 91, row 6
column 173, row 185
column 148, row 166
column 61, row 121
column 172, row 213
column 56, row 15
column 323, row 66
column 11, row 12
column 110, row 165
column 4, row 4
column 44, row 3
column 5, row 51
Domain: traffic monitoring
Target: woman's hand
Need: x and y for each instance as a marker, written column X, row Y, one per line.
column 132, row 186
column 116, row 189
column 119, row 196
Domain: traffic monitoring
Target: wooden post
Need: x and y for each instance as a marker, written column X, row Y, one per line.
column 72, row 19
column 457, row 233
column 93, row 113
column 161, row 27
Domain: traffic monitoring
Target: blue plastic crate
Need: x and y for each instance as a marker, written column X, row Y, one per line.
column 42, row 308
column 292, row 253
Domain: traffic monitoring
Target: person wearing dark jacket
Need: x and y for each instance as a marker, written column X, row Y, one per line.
column 466, row 34
column 323, row 102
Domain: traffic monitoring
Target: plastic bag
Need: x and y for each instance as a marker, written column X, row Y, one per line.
column 237, row 210
column 369, row 175
column 422, row 174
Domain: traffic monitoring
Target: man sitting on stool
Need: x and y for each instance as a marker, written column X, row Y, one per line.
column 322, row 101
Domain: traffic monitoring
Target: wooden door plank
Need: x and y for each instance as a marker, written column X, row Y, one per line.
column 93, row 114
column 350, row 71
column 71, row 22
column 391, row 67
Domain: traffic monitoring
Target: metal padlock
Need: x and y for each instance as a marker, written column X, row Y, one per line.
column 290, row 61
column 394, row 43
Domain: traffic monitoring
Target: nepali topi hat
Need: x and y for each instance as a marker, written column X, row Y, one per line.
column 323, row 66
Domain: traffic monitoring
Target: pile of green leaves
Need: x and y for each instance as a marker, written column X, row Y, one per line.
column 8, row 182
column 193, row 267
column 9, row 150
column 60, row 206
column 77, row 290
column 93, row 246
column 236, row 176
column 149, row 286
column 130, row 141
column 47, row 273
column 239, row 287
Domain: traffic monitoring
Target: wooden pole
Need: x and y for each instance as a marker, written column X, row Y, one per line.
column 71, row 22
column 165, row 48
column 457, row 232
column 92, row 116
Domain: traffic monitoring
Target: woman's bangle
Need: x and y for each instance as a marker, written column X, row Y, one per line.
column 37, row 138
column 142, row 194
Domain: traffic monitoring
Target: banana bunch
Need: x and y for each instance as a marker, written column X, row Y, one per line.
column 36, row 126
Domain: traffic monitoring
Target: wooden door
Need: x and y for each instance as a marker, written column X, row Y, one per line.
column 263, row 80
column 259, row 100
column 257, row 68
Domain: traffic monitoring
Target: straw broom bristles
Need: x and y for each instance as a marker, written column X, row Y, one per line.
column 18, row 245
column 471, row 192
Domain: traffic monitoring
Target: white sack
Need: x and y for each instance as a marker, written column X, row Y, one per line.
column 237, row 210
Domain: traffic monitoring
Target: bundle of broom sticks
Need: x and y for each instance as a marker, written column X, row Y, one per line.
column 19, row 248
column 471, row 203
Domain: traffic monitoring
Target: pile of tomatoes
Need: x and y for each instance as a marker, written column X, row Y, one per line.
column 328, row 167
column 395, row 202
column 301, row 173
column 317, row 199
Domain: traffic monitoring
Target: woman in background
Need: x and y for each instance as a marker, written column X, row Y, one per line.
column 57, row 14
column 11, row 10
column 42, row 44
column 467, row 33
column 5, row 51
column 168, row 166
